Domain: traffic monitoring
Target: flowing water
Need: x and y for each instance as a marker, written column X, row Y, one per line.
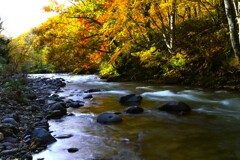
column 210, row 132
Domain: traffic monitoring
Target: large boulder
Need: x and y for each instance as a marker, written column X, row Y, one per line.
column 130, row 100
column 108, row 118
column 57, row 110
column 42, row 136
column 134, row 110
column 175, row 107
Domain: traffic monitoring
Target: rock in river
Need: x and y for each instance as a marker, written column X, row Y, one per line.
column 175, row 107
column 72, row 150
column 43, row 136
column 134, row 110
column 108, row 118
column 130, row 100
column 57, row 110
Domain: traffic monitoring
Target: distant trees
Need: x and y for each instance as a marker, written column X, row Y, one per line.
column 3, row 47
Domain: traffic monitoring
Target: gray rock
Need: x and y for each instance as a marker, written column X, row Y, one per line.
column 57, row 110
column 7, row 145
column 130, row 100
column 64, row 136
column 72, row 150
column 88, row 96
column 108, row 118
column 175, row 107
column 10, row 151
column 92, row 90
column 10, row 121
column 76, row 104
column 134, row 110
column 12, row 115
column 42, row 136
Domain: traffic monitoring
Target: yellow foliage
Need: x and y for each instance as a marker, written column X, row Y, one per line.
column 115, row 55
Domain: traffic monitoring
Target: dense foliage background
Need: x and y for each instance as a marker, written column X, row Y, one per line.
column 172, row 41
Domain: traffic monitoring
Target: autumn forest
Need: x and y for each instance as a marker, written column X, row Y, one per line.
column 173, row 41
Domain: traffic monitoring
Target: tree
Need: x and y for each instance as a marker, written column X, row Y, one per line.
column 232, row 9
column 3, row 46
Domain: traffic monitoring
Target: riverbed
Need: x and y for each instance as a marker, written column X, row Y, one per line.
column 209, row 132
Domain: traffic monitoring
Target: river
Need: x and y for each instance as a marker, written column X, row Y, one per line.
column 210, row 132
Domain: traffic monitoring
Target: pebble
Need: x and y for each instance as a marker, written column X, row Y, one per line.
column 64, row 136
column 72, row 150
column 10, row 151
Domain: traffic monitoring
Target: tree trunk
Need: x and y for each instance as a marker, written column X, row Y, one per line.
column 173, row 24
column 233, row 27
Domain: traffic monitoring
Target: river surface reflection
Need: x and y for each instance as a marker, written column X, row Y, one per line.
column 210, row 132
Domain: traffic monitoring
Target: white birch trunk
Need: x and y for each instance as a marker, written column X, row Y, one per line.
column 233, row 26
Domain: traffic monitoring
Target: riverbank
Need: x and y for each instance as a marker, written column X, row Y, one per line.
column 217, row 81
column 24, row 114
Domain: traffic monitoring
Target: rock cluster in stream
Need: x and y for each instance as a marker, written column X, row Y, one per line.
column 24, row 128
column 132, row 101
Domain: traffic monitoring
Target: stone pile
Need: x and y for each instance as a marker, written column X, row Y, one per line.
column 24, row 128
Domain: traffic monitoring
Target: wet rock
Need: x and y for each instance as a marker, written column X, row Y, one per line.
column 42, row 136
column 60, row 82
column 57, row 110
column 125, row 140
column 88, row 96
column 15, row 116
column 175, row 107
column 71, row 114
column 64, row 136
column 7, row 145
column 27, row 139
column 108, row 118
column 134, row 110
column 92, row 90
column 9, row 151
column 72, row 150
column 75, row 104
column 10, row 121
column 59, row 106
column 55, row 114
column 130, row 100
